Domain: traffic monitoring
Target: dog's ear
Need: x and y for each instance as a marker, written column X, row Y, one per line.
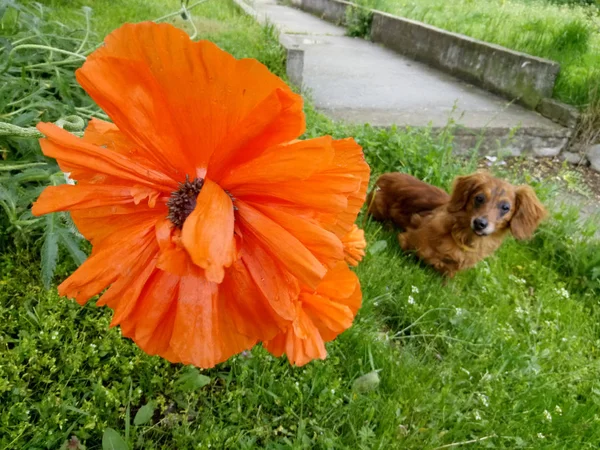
column 529, row 212
column 463, row 189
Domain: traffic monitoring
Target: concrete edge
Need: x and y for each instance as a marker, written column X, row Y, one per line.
column 514, row 75
column 537, row 142
column 561, row 113
column 294, row 61
column 333, row 11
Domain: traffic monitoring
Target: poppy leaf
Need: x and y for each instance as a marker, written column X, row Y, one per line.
column 192, row 379
column 366, row 383
column 377, row 247
column 144, row 414
column 72, row 247
column 112, row 440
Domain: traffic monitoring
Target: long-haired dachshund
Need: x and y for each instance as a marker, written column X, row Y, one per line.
column 455, row 232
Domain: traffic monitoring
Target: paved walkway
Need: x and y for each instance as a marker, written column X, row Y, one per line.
column 359, row 81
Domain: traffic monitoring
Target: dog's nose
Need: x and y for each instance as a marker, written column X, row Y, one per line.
column 480, row 223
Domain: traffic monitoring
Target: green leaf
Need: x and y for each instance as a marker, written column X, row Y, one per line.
column 49, row 250
column 377, row 247
column 144, row 414
column 192, row 379
column 112, row 440
column 66, row 238
column 366, row 383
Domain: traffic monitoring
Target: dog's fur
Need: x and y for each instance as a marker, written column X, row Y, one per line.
column 398, row 196
column 455, row 232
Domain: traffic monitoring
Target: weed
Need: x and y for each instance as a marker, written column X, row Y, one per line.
column 358, row 22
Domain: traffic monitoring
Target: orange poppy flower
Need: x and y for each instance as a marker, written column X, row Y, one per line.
column 205, row 214
column 354, row 245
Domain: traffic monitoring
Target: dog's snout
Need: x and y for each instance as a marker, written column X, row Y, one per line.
column 480, row 223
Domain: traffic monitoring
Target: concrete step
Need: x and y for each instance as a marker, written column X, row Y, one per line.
column 357, row 81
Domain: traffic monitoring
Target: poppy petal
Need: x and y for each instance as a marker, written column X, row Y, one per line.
column 98, row 224
column 339, row 282
column 282, row 163
column 277, row 119
column 203, row 335
column 177, row 98
column 335, row 316
column 95, row 274
column 251, row 313
column 278, row 286
column 152, row 319
column 299, row 351
column 354, row 245
column 207, row 233
column 333, row 195
column 76, row 153
column 281, row 245
column 107, row 135
column 325, row 245
column 349, row 160
column 124, row 293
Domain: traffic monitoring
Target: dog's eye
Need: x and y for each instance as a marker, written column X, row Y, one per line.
column 504, row 207
column 479, row 199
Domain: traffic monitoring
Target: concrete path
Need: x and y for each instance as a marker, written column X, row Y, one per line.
column 361, row 82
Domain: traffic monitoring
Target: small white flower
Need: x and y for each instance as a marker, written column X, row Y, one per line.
column 411, row 300
column 375, row 303
column 558, row 410
column 484, row 399
column 562, row 292
column 93, row 345
column 541, row 436
column 514, row 279
column 519, row 310
column 415, row 290
column 564, row 339
column 68, row 178
column 333, row 391
column 459, row 311
column 547, row 415
column 477, row 415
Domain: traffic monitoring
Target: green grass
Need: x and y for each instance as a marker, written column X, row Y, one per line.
column 506, row 353
column 568, row 34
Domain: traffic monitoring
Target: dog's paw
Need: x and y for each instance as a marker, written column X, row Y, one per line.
column 403, row 241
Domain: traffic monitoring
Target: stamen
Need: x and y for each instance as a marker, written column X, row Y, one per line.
column 183, row 201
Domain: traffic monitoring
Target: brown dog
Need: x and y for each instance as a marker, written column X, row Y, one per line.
column 452, row 233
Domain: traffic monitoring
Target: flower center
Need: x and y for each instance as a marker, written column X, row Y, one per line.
column 183, row 201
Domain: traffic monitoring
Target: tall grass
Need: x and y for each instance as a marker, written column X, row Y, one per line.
column 566, row 33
